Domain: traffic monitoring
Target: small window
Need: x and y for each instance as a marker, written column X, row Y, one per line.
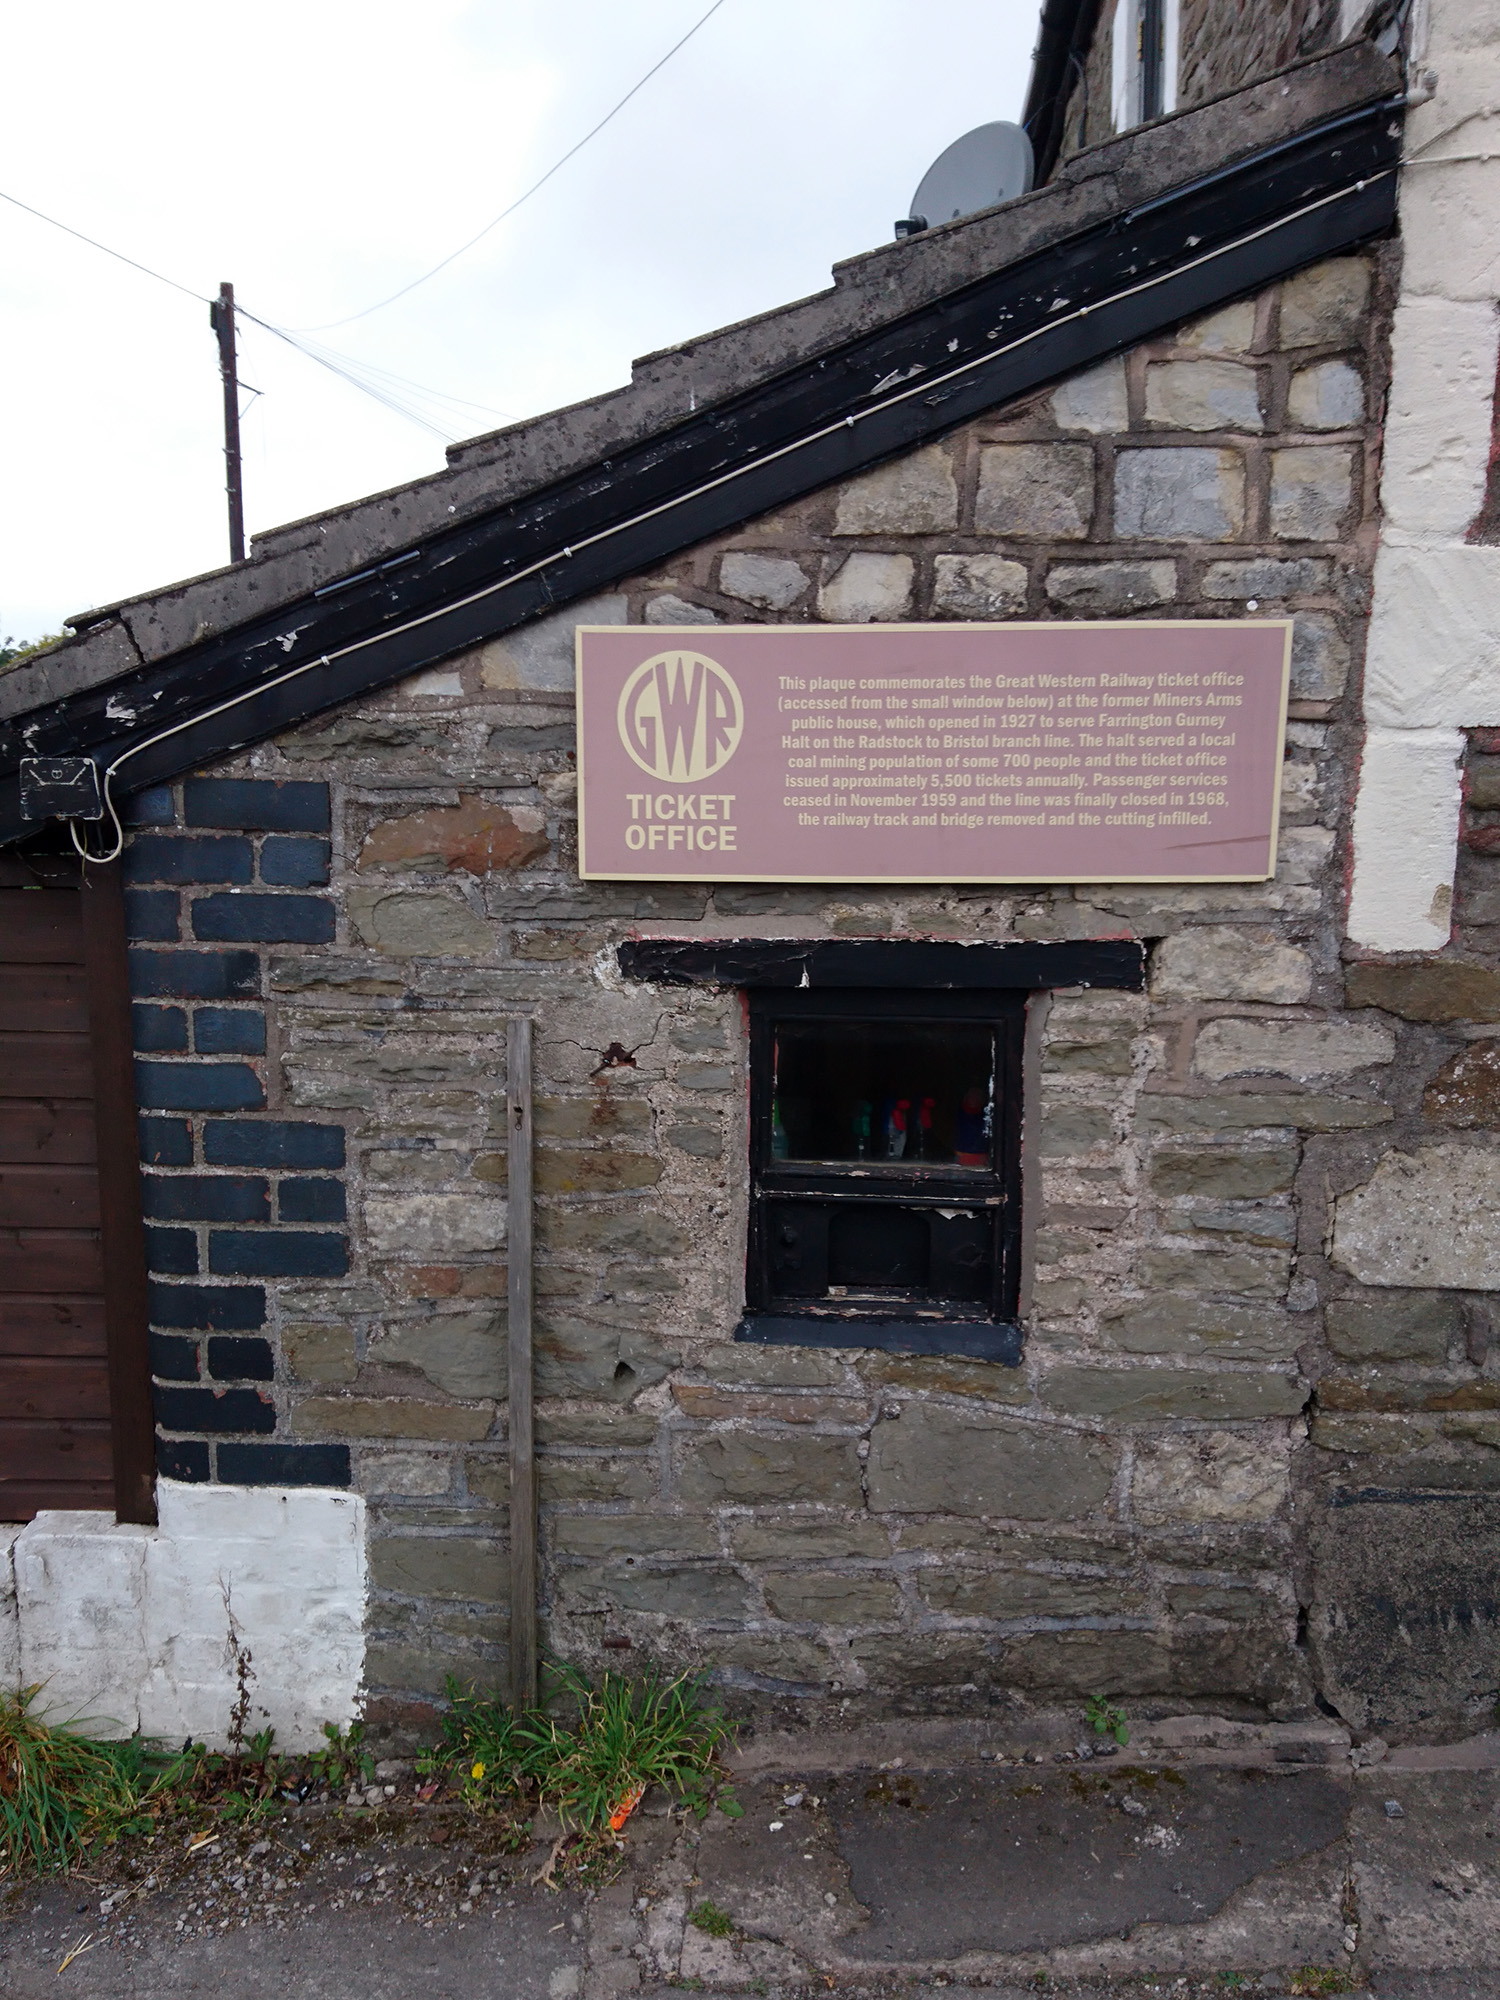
column 1144, row 61
column 885, row 1159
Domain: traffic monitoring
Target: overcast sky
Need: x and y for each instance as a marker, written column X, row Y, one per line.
column 319, row 154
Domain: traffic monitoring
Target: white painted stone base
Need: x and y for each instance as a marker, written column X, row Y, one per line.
column 10, row 1628
column 131, row 1628
column 1405, row 839
column 1433, row 663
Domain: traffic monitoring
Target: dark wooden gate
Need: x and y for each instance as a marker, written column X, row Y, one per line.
column 75, row 1396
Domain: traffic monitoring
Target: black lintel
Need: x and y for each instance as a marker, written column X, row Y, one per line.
column 907, row 962
column 975, row 1340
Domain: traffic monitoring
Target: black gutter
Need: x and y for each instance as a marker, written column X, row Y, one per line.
column 1062, row 50
column 1046, row 316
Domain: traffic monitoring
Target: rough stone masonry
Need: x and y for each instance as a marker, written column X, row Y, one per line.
column 1252, row 1448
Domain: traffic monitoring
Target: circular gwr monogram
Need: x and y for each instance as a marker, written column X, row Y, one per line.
column 681, row 717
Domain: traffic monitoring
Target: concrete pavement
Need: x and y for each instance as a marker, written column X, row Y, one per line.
column 1107, row 1876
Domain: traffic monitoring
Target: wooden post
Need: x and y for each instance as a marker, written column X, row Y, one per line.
column 221, row 319
column 522, row 1455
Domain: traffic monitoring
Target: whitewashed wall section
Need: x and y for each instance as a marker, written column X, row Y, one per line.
column 129, row 1628
column 1433, row 664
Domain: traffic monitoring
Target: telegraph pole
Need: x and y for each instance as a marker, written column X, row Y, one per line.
column 221, row 319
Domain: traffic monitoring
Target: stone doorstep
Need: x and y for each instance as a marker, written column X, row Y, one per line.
column 940, row 1743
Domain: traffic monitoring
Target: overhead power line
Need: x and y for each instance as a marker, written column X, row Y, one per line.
column 94, row 244
column 327, row 326
column 379, row 383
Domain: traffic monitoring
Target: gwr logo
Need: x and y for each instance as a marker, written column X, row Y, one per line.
column 681, row 717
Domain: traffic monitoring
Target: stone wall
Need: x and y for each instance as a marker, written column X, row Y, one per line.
column 1223, row 45
column 1137, row 1508
column 1226, row 45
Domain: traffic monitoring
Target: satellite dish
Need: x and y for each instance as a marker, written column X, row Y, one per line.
column 992, row 163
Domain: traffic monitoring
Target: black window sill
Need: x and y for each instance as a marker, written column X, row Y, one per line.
column 973, row 1340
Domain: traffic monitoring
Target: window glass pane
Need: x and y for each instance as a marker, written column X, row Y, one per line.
column 885, row 1091
column 881, row 1251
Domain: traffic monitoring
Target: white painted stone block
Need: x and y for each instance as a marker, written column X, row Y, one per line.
column 1405, row 839
column 292, row 1563
column 80, row 1602
column 130, row 1627
column 1437, row 435
column 1448, row 217
column 10, row 1627
column 1434, row 655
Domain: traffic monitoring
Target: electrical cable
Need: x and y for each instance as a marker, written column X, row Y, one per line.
column 342, row 366
column 326, row 359
column 925, row 387
column 94, row 244
column 328, row 325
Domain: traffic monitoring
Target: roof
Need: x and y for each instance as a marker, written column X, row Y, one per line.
column 911, row 340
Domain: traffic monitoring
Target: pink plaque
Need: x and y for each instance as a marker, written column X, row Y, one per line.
column 1147, row 751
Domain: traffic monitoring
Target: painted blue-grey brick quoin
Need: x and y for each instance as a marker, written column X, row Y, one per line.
column 212, row 1308
column 195, row 975
column 152, row 807
column 176, row 857
column 159, row 1030
column 182, row 1458
column 166, row 1142
column 287, row 862
column 174, row 1357
column 171, row 1253
column 284, row 1464
column 231, row 1197
column 242, row 1359
column 260, row 805
column 193, row 1086
column 229, row 1031
column 271, row 1142
column 277, row 1253
column 151, row 916
column 206, row 1198
column 311, row 1201
column 213, row 1410
column 276, row 919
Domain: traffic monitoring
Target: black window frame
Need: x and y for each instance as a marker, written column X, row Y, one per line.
column 854, row 969
column 915, row 1322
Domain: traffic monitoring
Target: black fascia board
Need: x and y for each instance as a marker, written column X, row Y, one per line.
column 936, row 965
column 1048, row 315
column 1064, row 40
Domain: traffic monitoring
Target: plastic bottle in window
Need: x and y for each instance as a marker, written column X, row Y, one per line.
column 971, row 1129
column 860, row 1126
column 897, row 1109
column 779, row 1146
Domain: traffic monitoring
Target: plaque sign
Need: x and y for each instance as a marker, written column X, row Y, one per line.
column 1140, row 751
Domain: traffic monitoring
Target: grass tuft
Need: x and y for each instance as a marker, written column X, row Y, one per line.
column 708, row 1917
column 61, row 1791
column 623, row 1736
